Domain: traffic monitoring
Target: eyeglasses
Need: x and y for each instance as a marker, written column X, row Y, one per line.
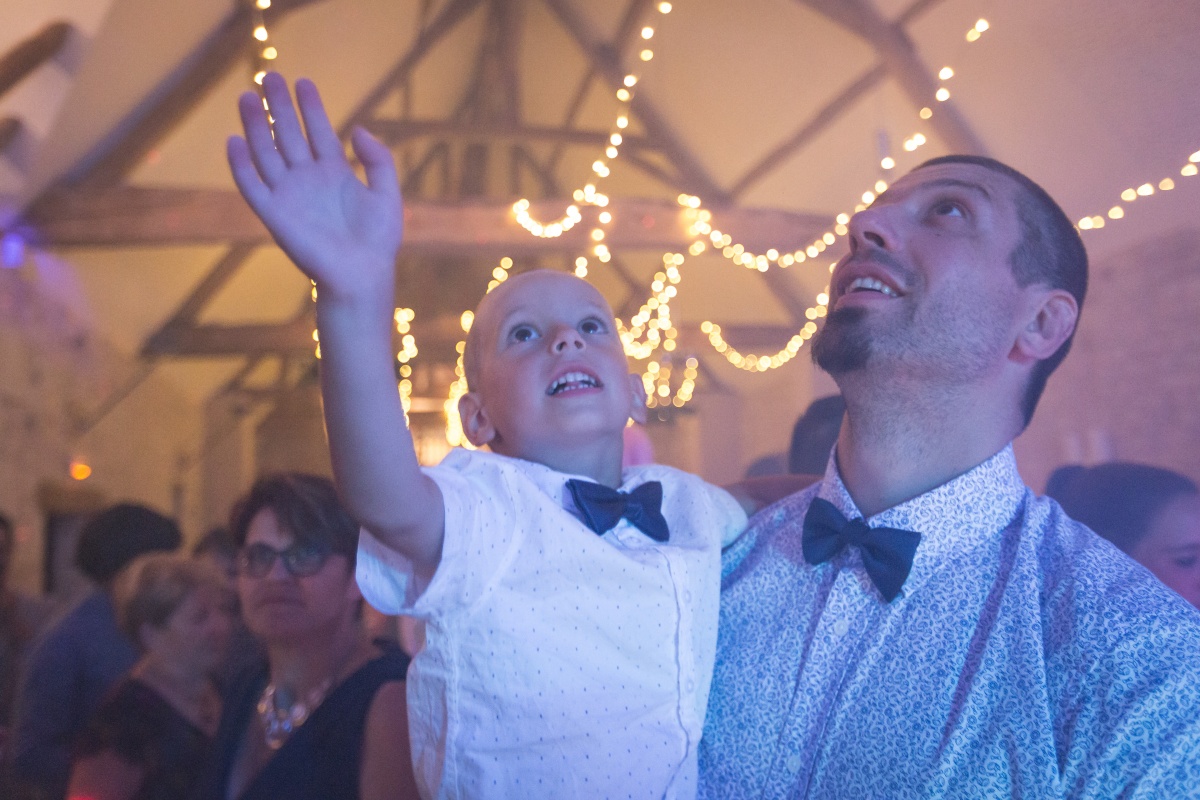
column 256, row 560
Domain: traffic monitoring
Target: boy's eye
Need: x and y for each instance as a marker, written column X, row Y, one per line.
column 591, row 326
column 1185, row 562
column 523, row 333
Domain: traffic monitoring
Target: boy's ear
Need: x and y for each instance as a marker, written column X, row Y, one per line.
column 638, row 412
column 1051, row 320
column 476, row 426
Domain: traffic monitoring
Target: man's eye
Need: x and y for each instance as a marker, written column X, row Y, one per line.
column 1186, row 562
column 523, row 333
column 591, row 326
column 948, row 208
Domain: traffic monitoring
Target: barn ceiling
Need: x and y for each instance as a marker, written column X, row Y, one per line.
column 776, row 114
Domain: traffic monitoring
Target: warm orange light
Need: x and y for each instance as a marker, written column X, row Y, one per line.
column 80, row 471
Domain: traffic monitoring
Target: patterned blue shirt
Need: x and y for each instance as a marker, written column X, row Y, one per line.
column 1025, row 657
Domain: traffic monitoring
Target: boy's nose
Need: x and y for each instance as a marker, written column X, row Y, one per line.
column 567, row 338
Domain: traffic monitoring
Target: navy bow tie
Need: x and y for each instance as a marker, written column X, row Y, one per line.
column 887, row 553
column 603, row 507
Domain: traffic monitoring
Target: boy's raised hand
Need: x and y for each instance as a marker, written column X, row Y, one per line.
column 340, row 232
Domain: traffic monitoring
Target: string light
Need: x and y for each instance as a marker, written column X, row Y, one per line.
column 455, row 435
column 656, row 380
column 651, row 327
column 1097, row 221
column 264, row 52
column 601, row 167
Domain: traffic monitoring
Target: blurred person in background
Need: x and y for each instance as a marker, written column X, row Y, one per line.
column 21, row 618
column 1151, row 514
column 74, row 665
column 326, row 716
column 218, row 549
column 151, row 738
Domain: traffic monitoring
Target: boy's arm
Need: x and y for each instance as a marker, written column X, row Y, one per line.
column 754, row 494
column 343, row 234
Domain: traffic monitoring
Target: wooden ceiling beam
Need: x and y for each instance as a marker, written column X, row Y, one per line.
column 294, row 338
column 169, row 102
column 447, row 19
column 28, row 55
column 395, row 132
column 819, row 122
column 133, row 217
column 899, row 55
column 607, row 63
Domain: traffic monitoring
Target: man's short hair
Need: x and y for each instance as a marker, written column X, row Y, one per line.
column 1049, row 252
column 118, row 535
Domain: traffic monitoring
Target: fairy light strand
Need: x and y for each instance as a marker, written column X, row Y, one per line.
column 1133, row 194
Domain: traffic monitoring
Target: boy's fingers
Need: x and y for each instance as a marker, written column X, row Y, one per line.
column 289, row 137
column 321, row 135
column 377, row 162
column 261, row 144
column 245, row 175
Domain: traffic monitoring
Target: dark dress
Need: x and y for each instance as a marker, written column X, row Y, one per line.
column 136, row 723
column 321, row 760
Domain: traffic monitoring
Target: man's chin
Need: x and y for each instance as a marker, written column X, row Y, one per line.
column 843, row 343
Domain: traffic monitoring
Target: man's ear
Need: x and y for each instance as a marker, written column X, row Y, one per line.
column 1050, row 322
column 638, row 389
column 476, row 426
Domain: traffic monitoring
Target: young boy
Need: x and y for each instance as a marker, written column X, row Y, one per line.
column 570, row 629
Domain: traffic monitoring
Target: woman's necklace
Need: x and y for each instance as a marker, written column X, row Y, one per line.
column 281, row 713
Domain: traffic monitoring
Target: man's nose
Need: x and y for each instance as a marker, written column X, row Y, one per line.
column 873, row 226
column 567, row 338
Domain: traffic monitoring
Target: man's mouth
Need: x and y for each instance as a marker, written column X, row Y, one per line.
column 867, row 284
column 572, row 381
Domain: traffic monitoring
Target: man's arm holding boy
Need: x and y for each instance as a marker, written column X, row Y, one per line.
column 344, row 236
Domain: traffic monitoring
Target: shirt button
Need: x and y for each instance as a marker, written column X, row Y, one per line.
column 841, row 627
column 793, row 763
column 691, row 686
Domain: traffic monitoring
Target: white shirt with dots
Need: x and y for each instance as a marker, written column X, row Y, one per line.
column 558, row 663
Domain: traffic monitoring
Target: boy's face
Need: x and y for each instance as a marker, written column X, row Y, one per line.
column 551, row 375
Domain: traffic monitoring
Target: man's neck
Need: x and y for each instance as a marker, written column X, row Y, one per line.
column 894, row 447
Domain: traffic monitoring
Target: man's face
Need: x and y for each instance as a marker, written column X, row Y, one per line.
column 927, row 290
column 551, row 367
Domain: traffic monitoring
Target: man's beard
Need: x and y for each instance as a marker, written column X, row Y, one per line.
column 843, row 343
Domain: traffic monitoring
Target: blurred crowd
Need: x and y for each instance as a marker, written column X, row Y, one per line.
column 250, row 666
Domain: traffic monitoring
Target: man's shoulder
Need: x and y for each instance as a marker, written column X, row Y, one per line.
column 1100, row 600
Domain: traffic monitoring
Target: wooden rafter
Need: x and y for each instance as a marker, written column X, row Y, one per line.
column 132, row 216
column 396, row 132
column 294, row 338
column 31, row 53
column 607, row 64
column 899, row 55
column 232, row 260
column 633, row 13
column 824, row 117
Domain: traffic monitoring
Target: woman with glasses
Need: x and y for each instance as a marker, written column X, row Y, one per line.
column 326, row 718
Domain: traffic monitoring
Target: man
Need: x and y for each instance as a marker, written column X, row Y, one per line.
column 1017, row 654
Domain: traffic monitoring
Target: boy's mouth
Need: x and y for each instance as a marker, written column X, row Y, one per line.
column 571, row 381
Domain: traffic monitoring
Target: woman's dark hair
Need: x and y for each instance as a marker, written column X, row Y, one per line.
column 307, row 506
column 1118, row 500
column 118, row 535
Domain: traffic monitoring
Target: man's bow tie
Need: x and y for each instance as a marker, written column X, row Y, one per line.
column 887, row 553
column 603, row 507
